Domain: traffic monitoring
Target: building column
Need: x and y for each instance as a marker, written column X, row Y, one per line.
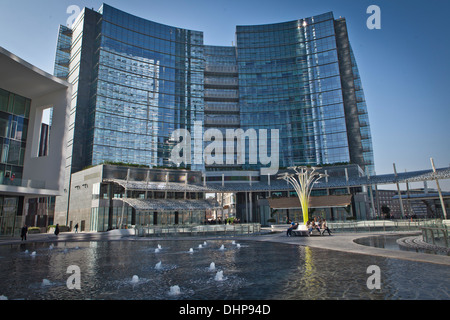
column 246, row 206
column 377, row 196
column 444, row 211
column 399, row 193
column 251, row 208
column 372, row 204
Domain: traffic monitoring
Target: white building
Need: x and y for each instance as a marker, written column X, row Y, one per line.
column 34, row 112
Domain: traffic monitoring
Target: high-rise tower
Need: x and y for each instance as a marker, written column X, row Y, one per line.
column 136, row 81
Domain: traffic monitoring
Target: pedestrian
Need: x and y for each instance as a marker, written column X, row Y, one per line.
column 57, row 229
column 76, row 228
column 325, row 227
column 23, row 232
column 292, row 227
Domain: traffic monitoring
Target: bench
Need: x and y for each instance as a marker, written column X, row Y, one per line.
column 302, row 230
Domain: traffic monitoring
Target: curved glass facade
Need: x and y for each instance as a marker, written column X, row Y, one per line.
column 289, row 79
column 136, row 81
column 150, row 83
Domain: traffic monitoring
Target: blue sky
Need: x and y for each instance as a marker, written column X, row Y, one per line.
column 404, row 66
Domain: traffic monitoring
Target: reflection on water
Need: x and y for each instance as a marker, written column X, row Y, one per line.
column 311, row 280
column 248, row 270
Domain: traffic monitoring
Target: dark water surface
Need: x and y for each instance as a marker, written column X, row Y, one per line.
column 246, row 270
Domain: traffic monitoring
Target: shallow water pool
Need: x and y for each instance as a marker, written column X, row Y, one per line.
column 208, row 270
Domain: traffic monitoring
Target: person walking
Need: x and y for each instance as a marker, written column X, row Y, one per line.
column 23, row 232
column 325, row 227
column 57, row 230
column 76, row 228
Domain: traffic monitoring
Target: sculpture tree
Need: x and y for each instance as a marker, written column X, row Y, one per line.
column 303, row 181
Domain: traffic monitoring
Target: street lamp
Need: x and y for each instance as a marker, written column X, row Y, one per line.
column 303, row 180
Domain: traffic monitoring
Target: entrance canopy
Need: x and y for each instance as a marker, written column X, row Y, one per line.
column 314, row 202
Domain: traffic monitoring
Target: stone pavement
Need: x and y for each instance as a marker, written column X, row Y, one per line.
column 342, row 241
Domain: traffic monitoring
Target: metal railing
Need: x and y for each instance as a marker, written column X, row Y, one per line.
column 436, row 236
column 221, row 69
column 198, row 230
column 383, row 225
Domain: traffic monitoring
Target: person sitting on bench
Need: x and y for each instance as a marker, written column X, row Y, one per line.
column 292, row 227
column 315, row 226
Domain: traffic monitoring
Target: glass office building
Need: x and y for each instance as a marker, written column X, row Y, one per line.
column 221, row 97
column 289, row 80
column 14, row 116
column 136, row 81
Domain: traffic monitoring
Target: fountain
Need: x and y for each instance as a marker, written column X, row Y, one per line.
column 46, row 282
column 234, row 242
column 135, row 279
column 156, row 250
column 204, row 243
column 238, row 245
column 219, row 276
column 222, row 247
column 33, row 254
column 200, row 246
column 197, row 274
column 50, row 247
column 174, row 290
column 191, row 250
column 159, row 246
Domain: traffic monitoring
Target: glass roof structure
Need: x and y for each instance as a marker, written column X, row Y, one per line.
column 264, row 185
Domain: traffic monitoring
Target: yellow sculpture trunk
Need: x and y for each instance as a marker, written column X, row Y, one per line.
column 304, row 203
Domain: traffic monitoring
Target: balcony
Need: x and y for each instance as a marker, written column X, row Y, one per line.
column 225, row 82
column 221, row 69
column 363, row 123
column 67, row 32
column 63, row 62
column 221, row 109
column 221, row 120
column 221, row 95
column 65, row 49
column 26, row 183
